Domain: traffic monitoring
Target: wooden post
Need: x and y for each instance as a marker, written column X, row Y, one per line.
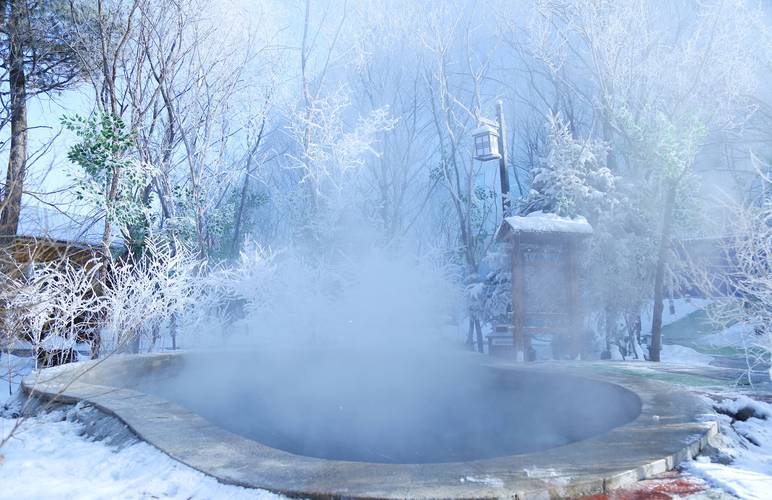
column 478, row 329
column 518, row 309
column 506, row 202
column 575, row 317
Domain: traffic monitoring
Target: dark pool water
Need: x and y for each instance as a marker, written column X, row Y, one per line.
column 393, row 408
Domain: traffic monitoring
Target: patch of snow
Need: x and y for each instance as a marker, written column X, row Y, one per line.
column 541, row 222
column 733, row 406
column 50, row 458
column 673, row 353
column 12, row 370
column 734, row 336
column 683, row 307
column 746, row 484
column 57, row 342
column 615, row 353
column 548, row 473
column 747, row 447
column 486, row 480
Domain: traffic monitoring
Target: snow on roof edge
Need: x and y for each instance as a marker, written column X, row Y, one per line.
column 541, row 222
column 38, row 221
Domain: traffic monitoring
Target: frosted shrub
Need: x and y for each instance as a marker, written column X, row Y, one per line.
column 147, row 292
column 492, row 297
column 52, row 305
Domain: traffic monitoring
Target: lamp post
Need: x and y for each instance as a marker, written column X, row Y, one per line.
column 489, row 145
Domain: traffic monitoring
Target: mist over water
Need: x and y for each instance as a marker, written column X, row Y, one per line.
column 394, row 406
column 359, row 360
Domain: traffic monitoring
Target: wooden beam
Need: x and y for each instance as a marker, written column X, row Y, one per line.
column 518, row 297
column 577, row 339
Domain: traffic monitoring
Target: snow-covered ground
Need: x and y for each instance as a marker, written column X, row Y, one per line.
column 681, row 309
column 51, row 456
column 742, row 464
column 734, row 336
column 674, row 353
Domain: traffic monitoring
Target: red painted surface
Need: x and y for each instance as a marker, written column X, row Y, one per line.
column 668, row 486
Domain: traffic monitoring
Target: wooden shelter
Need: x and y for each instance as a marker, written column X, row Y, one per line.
column 49, row 235
column 544, row 249
column 19, row 252
column 46, row 237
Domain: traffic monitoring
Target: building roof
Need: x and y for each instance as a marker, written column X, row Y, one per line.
column 38, row 221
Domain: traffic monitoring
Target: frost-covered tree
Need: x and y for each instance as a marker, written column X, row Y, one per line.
column 737, row 275
column 573, row 179
column 660, row 80
column 332, row 149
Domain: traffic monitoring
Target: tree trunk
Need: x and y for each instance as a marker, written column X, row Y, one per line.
column 96, row 344
column 235, row 244
column 17, row 157
column 659, row 277
column 108, row 230
column 478, row 329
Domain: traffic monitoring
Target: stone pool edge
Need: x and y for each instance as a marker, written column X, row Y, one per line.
column 674, row 416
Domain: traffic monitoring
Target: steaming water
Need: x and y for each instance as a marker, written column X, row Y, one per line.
column 393, row 407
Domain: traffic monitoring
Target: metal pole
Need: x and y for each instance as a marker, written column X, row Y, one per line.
column 506, row 204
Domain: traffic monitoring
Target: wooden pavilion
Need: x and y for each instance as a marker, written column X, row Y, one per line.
column 544, row 249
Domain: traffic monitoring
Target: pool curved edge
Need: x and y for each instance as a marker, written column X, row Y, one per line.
column 672, row 427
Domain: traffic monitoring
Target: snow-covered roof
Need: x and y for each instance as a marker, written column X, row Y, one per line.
column 37, row 221
column 541, row 222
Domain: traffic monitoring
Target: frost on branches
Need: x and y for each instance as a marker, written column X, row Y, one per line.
column 743, row 288
column 52, row 307
column 572, row 181
column 573, row 178
column 330, row 150
column 147, row 293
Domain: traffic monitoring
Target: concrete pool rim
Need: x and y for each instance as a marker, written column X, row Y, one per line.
column 671, row 428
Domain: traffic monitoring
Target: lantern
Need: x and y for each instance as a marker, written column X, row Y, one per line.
column 486, row 142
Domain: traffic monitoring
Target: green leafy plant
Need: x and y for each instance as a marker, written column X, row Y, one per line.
column 113, row 177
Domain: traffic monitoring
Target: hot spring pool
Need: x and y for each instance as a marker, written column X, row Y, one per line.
column 396, row 411
column 307, row 424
